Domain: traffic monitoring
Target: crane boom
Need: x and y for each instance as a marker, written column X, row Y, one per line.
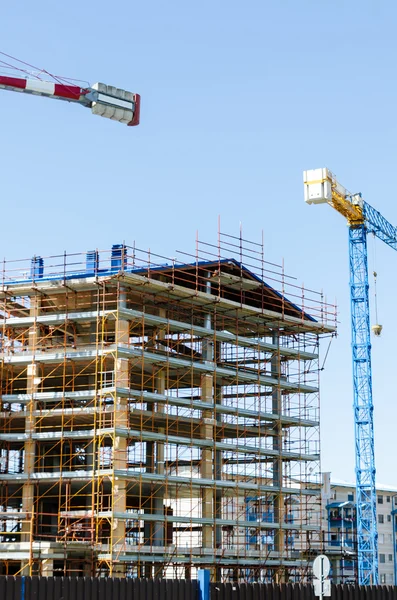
column 322, row 187
column 379, row 226
column 327, row 189
column 103, row 100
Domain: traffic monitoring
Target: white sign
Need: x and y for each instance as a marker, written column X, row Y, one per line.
column 321, row 566
column 322, row 588
column 321, row 569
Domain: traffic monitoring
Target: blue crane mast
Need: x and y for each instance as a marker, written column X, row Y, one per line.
column 321, row 187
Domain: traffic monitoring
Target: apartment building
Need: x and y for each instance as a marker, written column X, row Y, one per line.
column 340, row 532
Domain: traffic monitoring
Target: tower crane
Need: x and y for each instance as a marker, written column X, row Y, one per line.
column 321, row 187
column 103, row 100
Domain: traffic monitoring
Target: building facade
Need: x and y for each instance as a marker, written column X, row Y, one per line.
column 158, row 417
column 339, row 527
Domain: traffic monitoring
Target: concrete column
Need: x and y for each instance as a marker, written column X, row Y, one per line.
column 32, row 383
column 88, row 567
column 154, row 531
column 206, row 472
column 91, row 463
column 92, row 448
column 279, row 542
column 120, row 443
column 207, row 433
column 218, row 467
column 188, row 571
column 158, row 499
column 121, row 379
column 158, row 502
column 47, row 567
column 148, row 507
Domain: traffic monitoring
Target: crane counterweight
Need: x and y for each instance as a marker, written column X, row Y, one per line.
column 103, row 100
column 321, row 187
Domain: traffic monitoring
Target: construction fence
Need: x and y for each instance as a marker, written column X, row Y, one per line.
column 91, row 588
column 296, row 591
column 95, row 588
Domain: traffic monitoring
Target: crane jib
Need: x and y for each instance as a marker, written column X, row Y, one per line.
column 45, row 88
column 103, row 100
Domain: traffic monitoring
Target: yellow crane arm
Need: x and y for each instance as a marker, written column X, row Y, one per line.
column 321, row 187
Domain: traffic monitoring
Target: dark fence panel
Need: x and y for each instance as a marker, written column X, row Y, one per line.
column 87, row 588
column 260, row 591
column 290, row 591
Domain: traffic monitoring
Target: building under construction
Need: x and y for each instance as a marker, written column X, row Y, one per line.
column 159, row 416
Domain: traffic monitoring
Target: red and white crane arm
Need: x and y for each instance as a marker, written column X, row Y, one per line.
column 103, row 100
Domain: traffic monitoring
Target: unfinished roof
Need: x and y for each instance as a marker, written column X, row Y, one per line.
column 232, row 285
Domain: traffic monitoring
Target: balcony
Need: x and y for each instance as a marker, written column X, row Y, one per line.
column 342, row 514
column 341, row 543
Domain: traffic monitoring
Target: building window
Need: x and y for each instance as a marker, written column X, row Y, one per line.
column 380, row 499
column 388, row 518
column 381, row 538
column 381, row 519
column 350, row 497
column 390, row 578
column 387, row 498
column 390, row 557
column 382, row 558
column 383, row 577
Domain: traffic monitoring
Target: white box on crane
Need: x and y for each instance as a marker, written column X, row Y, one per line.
column 317, row 184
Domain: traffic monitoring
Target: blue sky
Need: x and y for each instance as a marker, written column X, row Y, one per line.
column 237, row 100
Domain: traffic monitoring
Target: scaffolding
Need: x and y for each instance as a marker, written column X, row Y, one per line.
column 160, row 415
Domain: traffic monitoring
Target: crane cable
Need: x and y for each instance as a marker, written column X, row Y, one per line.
column 375, row 297
column 377, row 328
column 375, row 276
column 36, row 73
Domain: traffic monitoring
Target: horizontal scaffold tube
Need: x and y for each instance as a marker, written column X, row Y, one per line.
column 235, row 375
column 146, row 397
column 154, row 436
